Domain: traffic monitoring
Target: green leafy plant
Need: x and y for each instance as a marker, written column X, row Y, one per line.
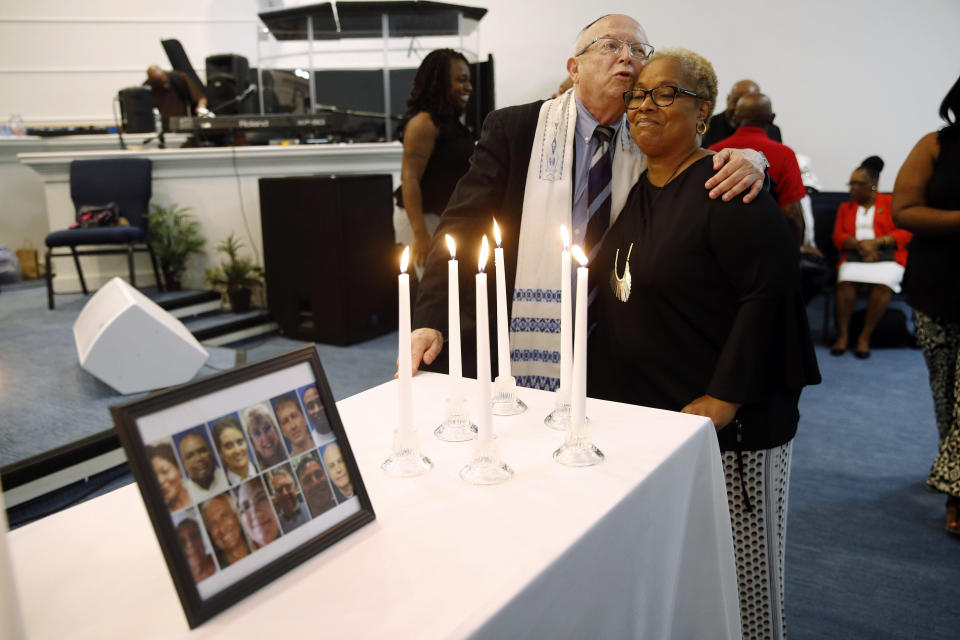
column 174, row 234
column 234, row 272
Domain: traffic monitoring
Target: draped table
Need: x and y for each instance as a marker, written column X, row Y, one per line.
column 639, row 546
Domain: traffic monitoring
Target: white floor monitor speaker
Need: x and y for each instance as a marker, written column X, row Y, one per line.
column 130, row 343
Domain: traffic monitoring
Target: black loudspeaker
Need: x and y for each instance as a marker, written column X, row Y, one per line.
column 227, row 77
column 330, row 257
column 136, row 110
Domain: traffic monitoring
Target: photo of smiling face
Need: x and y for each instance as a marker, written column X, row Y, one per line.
column 262, row 431
column 314, row 406
column 256, row 513
column 232, row 447
column 224, row 529
column 168, row 474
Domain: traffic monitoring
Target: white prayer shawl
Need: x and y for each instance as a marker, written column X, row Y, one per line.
column 548, row 203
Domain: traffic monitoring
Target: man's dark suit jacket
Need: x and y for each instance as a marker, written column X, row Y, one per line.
column 492, row 188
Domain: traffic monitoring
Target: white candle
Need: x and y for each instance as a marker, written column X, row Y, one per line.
column 453, row 314
column 503, row 336
column 485, row 419
column 578, row 391
column 566, row 363
column 404, row 365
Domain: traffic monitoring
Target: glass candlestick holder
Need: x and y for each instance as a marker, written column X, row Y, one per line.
column 486, row 467
column 578, row 449
column 456, row 425
column 559, row 418
column 505, row 401
column 406, row 461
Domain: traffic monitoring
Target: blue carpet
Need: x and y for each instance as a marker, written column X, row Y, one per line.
column 867, row 556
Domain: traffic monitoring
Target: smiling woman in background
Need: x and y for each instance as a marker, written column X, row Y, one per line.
column 436, row 148
column 699, row 310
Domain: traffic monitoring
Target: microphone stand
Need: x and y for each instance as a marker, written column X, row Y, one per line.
column 250, row 89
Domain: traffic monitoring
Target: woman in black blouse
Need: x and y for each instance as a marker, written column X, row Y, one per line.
column 436, row 147
column 699, row 310
column 926, row 200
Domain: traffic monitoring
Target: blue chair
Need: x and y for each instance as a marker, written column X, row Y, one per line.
column 128, row 183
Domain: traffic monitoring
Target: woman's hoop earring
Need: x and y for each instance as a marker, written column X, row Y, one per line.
column 701, row 127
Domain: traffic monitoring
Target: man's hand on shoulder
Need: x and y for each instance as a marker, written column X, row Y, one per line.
column 737, row 171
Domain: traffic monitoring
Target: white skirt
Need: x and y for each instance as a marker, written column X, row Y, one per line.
column 403, row 232
column 888, row 273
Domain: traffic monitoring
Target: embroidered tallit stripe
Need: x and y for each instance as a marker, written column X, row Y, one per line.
column 546, row 383
column 535, row 325
column 536, row 295
column 535, row 355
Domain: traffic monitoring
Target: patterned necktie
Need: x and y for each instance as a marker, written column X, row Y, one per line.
column 598, row 194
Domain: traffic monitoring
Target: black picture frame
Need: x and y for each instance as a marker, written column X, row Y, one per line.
column 166, row 419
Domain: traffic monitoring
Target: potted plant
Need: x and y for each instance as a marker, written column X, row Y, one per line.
column 174, row 235
column 235, row 275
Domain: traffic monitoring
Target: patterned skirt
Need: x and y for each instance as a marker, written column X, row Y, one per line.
column 759, row 522
column 940, row 342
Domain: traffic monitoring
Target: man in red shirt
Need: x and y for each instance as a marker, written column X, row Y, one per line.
column 752, row 115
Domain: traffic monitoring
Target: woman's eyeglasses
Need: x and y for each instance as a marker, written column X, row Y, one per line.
column 661, row 96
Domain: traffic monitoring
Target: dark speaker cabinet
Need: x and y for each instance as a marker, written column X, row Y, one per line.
column 330, row 257
column 136, row 110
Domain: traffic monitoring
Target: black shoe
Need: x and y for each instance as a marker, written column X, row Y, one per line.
column 837, row 351
column 863, row 355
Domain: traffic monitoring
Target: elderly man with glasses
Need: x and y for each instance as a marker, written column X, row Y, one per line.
column 570, row 161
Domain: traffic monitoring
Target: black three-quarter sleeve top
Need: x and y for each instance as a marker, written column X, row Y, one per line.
column 714, row 309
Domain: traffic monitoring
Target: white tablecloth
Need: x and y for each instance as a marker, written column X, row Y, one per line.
column 636, row 547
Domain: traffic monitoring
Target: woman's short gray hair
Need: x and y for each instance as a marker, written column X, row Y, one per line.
column 697, row 69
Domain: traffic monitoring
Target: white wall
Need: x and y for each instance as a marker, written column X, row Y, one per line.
column 848, row 79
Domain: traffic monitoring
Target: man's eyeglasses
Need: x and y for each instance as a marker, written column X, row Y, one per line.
column 607, row 45
column 661, row 96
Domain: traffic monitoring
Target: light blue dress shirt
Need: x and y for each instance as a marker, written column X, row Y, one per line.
column 584, row 146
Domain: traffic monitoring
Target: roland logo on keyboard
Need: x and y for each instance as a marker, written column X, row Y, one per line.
column 253, row 124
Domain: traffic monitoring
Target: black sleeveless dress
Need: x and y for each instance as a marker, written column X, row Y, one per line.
column 448, row 162
column 932, row 278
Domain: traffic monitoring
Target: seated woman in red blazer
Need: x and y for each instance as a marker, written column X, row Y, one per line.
column 872, row 251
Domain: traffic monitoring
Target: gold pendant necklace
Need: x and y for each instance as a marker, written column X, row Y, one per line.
column 621, row 286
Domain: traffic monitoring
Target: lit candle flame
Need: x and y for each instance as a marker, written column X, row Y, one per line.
column 484, row 254
column 579, row 255
column 496, row 232
column 565, row 237
column 452, row 246
column 405, row 259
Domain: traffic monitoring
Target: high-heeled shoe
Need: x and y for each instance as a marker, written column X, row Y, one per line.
column 953, row 515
